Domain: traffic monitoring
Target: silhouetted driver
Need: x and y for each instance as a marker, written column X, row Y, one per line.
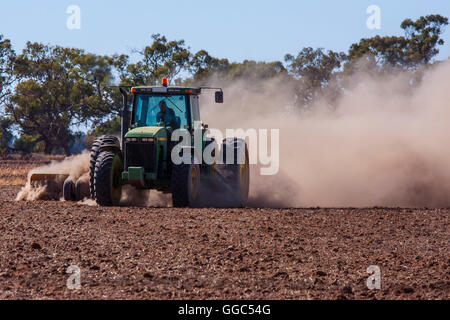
column 166, row 115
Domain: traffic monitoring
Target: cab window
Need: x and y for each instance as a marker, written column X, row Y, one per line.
column 147, row 110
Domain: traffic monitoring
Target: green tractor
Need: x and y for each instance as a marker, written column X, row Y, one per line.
column 143, row 156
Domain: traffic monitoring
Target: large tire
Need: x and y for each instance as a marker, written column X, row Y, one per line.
column 108, row 169
column 95, row 151
column 81, row 191
column 237, row 173
column 186, row 185
column 78, row 191
column 69, row 190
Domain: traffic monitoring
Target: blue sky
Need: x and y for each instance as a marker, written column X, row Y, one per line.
column 237, row 30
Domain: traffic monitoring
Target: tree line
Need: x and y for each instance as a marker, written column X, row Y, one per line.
column 47, row 93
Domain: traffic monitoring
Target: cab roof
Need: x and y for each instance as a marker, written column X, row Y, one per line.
column 167, row 90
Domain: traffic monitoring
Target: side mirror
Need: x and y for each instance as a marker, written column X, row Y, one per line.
column 219, row 97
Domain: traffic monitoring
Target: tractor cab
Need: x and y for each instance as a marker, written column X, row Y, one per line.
column 156, row 113
column 174, row 108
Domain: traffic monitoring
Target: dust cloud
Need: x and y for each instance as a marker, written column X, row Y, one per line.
column 144, row 198
column 384, row 143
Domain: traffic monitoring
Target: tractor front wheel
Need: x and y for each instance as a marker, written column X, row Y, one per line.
column 108, row 170
column 95, row 152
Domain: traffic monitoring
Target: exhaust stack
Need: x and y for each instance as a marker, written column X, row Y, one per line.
column 124, row 117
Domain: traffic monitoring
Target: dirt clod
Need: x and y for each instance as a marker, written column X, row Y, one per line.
column 36, row 246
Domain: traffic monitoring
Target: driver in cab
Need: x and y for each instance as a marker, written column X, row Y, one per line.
column 166, row 115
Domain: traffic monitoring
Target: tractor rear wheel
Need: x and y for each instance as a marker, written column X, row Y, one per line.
column 186, row 185
column 237, row 173
column 108, row 170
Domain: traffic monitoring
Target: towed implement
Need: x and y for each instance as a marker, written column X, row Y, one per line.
column 143, row 157
column 72, row 189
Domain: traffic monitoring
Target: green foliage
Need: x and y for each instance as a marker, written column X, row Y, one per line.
column 7, row 58
column 314, row 69
column 25, row 144
column 5, row 131
column 59, row 88
column 111, row 126
column 206, row 68
column 202, row 66
column 5, row 134
column 416, row 48
column 250, row 69
column 162, row 58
